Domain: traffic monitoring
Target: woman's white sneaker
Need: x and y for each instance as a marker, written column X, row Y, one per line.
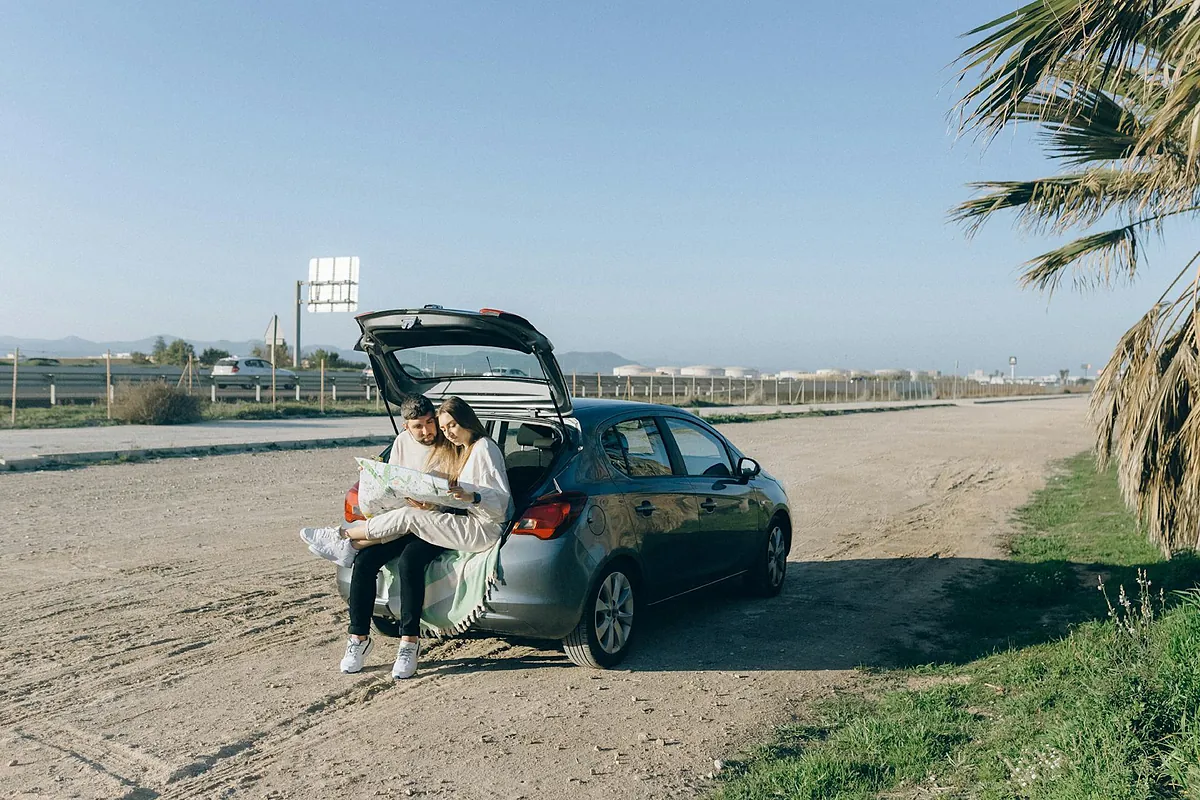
column 356, row 652
column 406, row 660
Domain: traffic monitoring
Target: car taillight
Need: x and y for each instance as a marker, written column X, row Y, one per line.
column 549, row 516
column 352, row 511
column 233, row 369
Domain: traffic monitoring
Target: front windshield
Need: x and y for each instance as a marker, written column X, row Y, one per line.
column 451, row 361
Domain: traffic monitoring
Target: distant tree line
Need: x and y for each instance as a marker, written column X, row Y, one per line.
column 177, row 352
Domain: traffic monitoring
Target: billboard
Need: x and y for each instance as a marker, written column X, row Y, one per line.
column 333, row 284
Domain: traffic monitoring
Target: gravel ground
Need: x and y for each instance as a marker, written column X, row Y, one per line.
column 164, row 633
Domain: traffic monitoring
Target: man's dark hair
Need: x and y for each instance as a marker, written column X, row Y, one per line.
column 416, row 406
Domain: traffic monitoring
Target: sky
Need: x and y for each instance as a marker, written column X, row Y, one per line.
column 760, row 184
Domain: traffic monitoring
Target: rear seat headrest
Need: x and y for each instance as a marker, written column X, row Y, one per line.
column 529, row 436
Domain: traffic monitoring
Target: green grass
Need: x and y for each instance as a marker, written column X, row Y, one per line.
column 79, row 416
column 1041, row 693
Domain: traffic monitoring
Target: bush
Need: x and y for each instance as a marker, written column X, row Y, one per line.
column 154, row 403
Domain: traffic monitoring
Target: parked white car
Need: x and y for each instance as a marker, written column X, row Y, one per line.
column 246, row 372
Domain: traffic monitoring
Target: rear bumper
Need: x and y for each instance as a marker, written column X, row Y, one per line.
column 541, row 593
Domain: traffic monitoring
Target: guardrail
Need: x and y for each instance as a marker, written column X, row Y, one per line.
column 48, row 385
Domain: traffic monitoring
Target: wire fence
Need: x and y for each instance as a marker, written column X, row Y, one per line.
column 50, row 385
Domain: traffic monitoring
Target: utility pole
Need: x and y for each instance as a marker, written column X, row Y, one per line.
column 296, row 355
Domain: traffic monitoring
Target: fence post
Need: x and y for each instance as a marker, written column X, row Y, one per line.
column 108, row 382
column 650, row 391
column 212, row 393
column 16, row 358
column 333, row 388
column 322, row 386
column 258, row 390
column 52, row 392
column 573, row 382
column 599, row 386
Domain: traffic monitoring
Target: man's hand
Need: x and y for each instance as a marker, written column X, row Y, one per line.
column 420, row 505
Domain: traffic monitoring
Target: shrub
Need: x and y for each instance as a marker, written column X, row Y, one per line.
column 154, row 403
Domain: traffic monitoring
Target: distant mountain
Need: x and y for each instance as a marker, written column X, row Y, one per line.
column 75, row 347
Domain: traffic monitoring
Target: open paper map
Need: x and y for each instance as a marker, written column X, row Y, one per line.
column 382, row 487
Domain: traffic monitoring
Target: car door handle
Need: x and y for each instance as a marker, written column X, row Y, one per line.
column 709, row 505
column 646, row 508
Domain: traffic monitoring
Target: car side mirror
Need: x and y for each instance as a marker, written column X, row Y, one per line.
column 747, row 468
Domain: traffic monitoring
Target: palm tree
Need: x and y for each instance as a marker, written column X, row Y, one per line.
column 1114, row 88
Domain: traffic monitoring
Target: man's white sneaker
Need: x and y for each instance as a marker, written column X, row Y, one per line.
column 329, row 543
column 406, row 660
column 356, row 652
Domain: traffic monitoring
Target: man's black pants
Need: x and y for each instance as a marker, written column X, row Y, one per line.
column 414, row 555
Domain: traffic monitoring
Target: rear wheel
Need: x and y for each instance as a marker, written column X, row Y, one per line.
column 602, row 638
column 770, row 567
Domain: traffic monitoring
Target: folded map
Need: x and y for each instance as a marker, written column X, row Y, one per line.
column 382, row 487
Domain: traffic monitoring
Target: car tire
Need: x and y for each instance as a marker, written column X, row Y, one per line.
column 386, row 626
column 766, row 575
column 604, row 634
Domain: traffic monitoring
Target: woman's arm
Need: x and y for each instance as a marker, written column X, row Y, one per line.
column 484, row 475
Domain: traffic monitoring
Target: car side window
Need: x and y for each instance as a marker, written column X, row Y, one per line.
column 635, row 448
column 704, row 455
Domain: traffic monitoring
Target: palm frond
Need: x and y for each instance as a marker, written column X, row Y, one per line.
column 1022, row 51
column 1107, row 255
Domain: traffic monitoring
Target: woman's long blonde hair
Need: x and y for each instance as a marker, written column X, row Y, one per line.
column 449, row 459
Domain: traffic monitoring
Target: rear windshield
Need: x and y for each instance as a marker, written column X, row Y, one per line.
column 447, row 360
column 227, row 362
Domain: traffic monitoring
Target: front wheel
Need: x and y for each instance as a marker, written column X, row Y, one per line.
column 602, row 638
column 765, row 578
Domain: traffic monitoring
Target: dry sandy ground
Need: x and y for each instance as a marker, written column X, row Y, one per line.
column 164, row 634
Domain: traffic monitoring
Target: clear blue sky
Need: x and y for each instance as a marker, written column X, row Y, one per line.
column 762, row 184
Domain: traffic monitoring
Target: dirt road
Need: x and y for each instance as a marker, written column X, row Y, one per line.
column 164, row 634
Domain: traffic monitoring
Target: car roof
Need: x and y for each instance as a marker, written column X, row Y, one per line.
column 592, row 411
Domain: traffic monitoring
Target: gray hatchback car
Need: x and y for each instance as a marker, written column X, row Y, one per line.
column 619, row 505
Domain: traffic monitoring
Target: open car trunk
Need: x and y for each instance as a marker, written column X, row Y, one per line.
column 497, row 362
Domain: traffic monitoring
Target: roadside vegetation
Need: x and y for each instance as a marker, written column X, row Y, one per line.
column 92, row 415
column 1044, row 687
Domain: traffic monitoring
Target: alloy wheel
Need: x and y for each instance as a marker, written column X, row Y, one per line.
column 614, row 612
column 776, row 556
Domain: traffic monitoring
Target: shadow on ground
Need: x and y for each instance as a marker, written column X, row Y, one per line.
column 886, row 613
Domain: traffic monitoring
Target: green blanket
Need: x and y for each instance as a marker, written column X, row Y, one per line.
column 457, row 586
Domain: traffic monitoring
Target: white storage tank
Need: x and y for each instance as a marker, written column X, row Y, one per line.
column 741, row 372
column 700, row 371
column 632, row 371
